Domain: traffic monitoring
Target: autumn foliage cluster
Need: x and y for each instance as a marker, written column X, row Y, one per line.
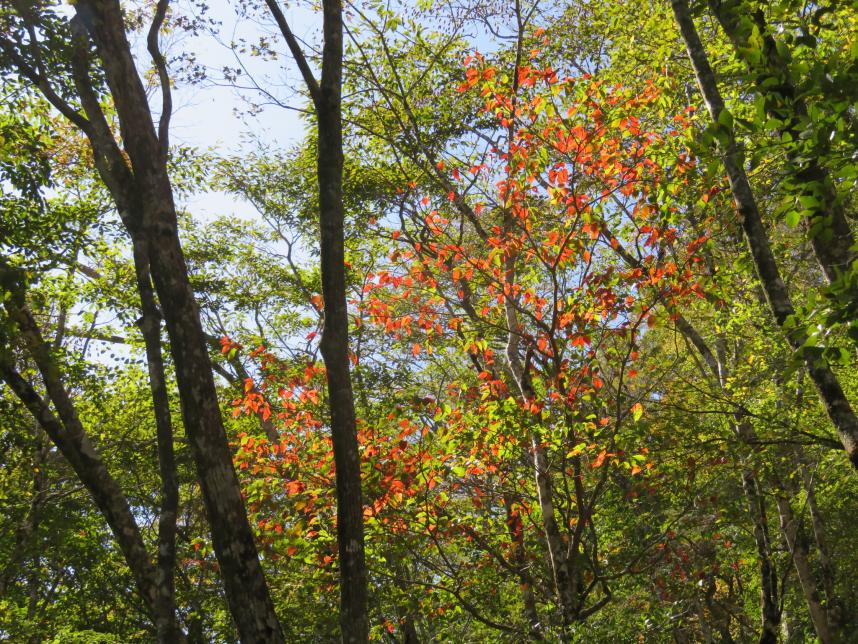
column 546, row 334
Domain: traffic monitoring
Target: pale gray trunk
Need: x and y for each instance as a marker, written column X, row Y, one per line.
column 828, row 386
column 796, row 542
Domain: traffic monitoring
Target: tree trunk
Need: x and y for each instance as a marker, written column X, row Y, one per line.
column 150, row 325
column 839, row 410
column 562, row 576
column 796, row 542
column 770, row 609
column 327, row 100
column 827, row 571
column 244, row 581
column 354, row 622
column 830, row 234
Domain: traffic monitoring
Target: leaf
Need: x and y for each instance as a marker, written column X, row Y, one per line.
column 637, row 411
column 792, row 218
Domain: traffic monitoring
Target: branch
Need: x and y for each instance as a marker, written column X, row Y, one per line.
column 295, row 48
column 161, row 67
column 41, row 82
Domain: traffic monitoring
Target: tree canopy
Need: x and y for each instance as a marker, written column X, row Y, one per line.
column 504, row 321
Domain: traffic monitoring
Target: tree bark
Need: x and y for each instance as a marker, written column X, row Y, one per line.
column 827, row 571
column 796, row 541
column 354, row 622
column 830, row 234
column 839, row 410
column 770, row 613
column 156, row 224
column 327, row 100
column 150, row 326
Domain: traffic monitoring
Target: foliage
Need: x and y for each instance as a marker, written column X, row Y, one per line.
column 567, row 380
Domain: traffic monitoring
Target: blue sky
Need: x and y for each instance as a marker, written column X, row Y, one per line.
column 215, row 116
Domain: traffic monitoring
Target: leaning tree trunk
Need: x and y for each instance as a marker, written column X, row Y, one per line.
column 156, row 224
column 827, row 385
column 830, row 234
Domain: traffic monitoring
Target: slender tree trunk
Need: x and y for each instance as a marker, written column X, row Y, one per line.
column 769, row 597
column 770, row 612
column 244, row 581
column 354, row 622
column 327, row 100
column 827, row 572
column 150, row 325
column 796, row 542
column 830, row 234
column 839, row 410
column 562, row 575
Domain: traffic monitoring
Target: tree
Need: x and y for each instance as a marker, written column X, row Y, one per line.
column 578, row 408
column 140, row 187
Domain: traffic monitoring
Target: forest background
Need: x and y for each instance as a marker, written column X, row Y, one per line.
column 447, row 321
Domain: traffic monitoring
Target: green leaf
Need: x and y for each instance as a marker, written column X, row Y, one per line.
column 792, row 218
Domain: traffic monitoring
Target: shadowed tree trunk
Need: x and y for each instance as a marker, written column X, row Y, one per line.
column 327, row 101
column 515, row 529
column 827, row 385
column 139, row 184
column 150, row 326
